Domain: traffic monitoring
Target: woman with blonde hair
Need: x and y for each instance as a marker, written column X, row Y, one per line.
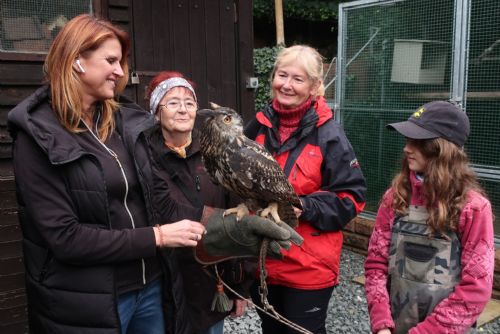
column 430, row 260
column 298, row 128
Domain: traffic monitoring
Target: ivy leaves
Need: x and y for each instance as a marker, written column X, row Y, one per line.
column 263, row 62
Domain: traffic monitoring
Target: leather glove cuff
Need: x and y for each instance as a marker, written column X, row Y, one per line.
column 200, row 253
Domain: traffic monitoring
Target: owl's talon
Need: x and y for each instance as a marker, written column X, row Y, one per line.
column 240, row 211
column 271, row 210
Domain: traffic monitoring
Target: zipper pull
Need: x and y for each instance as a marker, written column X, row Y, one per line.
column 197, row 181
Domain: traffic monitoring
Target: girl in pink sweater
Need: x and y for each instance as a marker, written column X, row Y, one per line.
column 430, row 260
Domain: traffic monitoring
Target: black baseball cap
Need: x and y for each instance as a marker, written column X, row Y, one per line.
column 436, row 119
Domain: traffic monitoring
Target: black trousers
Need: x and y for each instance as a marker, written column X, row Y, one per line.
column 307, row 308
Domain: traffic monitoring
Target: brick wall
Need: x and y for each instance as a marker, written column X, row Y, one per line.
column 357, row 235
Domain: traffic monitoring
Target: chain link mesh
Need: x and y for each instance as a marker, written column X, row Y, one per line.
column 483, row 98
column 31, row 25
column 398, row 55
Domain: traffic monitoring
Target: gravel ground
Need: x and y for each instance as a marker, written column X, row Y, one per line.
column 347, row 311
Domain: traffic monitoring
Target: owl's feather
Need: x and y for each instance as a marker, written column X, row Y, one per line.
column 243, row 166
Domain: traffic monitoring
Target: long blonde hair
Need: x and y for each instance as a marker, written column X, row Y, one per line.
column 84, row 33
column 308, row 58
column 447, row 180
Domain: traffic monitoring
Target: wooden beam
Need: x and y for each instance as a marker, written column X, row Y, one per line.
column 280, row 30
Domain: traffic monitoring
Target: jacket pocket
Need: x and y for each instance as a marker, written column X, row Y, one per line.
column 36, row 259
column 419, row 261
column 306, row 174
column 324, row 247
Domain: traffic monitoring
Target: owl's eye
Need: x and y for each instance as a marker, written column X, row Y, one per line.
column 227, row 119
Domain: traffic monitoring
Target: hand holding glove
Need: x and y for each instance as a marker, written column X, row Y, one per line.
column 227, row 238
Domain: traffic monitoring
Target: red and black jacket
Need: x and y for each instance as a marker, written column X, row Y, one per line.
column 321, row 166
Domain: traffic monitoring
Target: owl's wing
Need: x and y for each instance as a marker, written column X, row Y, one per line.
column 255, row 169
column 210, row 169
column 260, row 174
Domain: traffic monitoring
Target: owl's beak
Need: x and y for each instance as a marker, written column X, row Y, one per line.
column 209, row 112
column 206, row 112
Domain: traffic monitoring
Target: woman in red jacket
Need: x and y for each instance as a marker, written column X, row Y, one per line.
column 430, row 260
column 298, row 128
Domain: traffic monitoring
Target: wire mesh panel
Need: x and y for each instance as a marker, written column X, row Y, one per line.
column 31, row 25
column 396, row 56
column 483, row 97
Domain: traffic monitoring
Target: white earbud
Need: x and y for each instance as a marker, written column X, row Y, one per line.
column 80, row 66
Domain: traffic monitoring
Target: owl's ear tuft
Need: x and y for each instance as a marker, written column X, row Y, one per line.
column 214, row 105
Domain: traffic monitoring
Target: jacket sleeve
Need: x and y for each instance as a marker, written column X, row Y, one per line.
column 343, row 189
column 458, row 312
column 49, row 218
column 376, row 268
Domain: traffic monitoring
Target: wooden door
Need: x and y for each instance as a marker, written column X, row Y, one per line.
column 209, row 41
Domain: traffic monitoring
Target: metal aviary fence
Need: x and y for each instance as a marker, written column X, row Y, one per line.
column 396, row 55
column 29, row 26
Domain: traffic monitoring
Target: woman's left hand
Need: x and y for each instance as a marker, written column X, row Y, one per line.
column 240, row 306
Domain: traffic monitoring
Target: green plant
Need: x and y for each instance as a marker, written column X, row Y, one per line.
column 309, row 10
column 263, row 61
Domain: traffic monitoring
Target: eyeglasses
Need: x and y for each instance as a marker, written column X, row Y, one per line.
column 174, row 105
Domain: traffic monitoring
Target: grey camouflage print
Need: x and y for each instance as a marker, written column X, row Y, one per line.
column 423, row 268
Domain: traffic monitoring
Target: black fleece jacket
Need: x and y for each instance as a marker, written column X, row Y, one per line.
column 71, row 248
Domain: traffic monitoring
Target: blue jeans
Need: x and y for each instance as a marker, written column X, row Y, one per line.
column 217, row 328
column 141, row 311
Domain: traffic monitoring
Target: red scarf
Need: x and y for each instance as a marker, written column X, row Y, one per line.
column 289, row 119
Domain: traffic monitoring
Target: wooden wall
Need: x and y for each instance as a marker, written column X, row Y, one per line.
column 211, row 41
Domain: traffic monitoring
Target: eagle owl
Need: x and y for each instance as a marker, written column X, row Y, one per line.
column 245, row 167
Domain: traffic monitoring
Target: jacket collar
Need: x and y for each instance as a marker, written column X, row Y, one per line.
column 35, row 116
column 155, row 140
column 317, row 115
column 132, row 121
column 417, row 190
column 323, row 111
